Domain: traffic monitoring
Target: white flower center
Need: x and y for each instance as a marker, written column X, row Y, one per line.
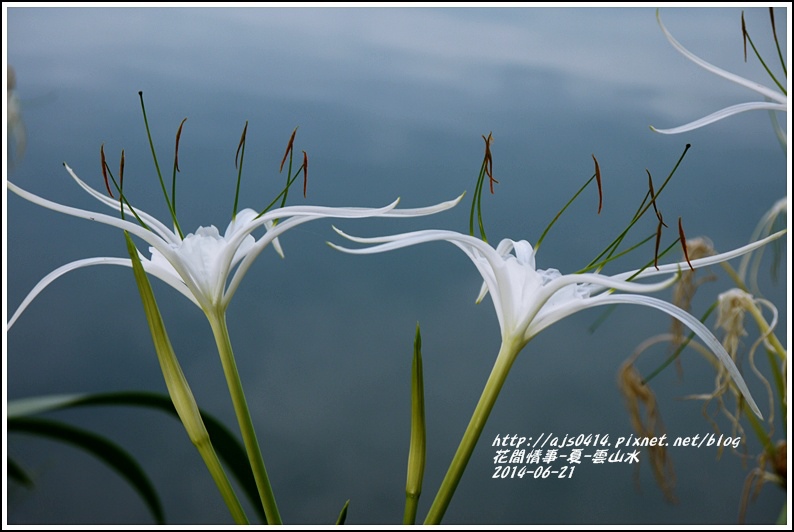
column 206, row 255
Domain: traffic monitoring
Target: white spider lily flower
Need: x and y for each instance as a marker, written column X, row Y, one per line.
column 528, row 299
column 773, row 100
column 205, row 266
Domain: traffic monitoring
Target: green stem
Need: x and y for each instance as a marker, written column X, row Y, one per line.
column 507, row 355
column 221, row 332
column 210, row 458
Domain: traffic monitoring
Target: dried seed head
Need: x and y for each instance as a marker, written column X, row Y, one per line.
column 686, row 287
column 639, row 396
column 731, row 307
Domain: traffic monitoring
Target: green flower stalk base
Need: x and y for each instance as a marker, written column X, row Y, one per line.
column 217, row 321
column 504, row 361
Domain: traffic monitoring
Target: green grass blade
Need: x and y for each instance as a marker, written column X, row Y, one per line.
column 343, row 514
column 114, row 456
column 18, row 474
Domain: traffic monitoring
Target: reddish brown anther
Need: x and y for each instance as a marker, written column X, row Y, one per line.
column 176, row 149
column 242, row 141
column 598, row 182
column 653, row 199
column 289, row 149
column 104, row 169
column 121, row 171
column 683, row 243
column 489, row 161
column 658, row 240
column 305, row 172
column 772, row 19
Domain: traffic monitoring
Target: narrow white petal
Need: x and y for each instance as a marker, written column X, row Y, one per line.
column 164, row 247
column 133, row 228
column 52, row 276
column 723, row 113
column 153, row 223
column 390, row 242
column 752, row 85
column 698, row 263
column 389, row 211
column 690, row 321
column 163, row 275
column 424, row 211
column 168, row 277
column 329, row 212
column 402, row 240
column 764, row 227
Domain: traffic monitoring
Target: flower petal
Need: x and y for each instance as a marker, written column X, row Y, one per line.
column 153, row 269
column 698, row 328
column 723, row 113
column 153, row 223
column 752, row 85
column 135, row 229
column 697, row 263
column 52, row 276
column 297, row 215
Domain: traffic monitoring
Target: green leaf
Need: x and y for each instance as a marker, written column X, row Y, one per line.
column 107, row 451
column 418, row 444
column 226, row 444
column 15, row 472
column 782, row 519
column 343, row 514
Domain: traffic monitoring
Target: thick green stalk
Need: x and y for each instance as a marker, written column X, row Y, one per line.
column 221, row 332
column 504, row 361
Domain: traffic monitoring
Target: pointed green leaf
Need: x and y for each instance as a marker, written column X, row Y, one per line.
column 15, row 472
column 107, row 451
column 343, row 514
column 417, row 448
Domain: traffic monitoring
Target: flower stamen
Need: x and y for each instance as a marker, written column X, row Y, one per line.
column 658, row 240
column 241, row 153
column 240, row 146
column 598, row 182
column 653, row 199
column 683, row 243
column 488, row 162
column 289, row 149
column 121, row 173
column 305, row 171
column 486, row 168
column 105, row 170
column 176, row 148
